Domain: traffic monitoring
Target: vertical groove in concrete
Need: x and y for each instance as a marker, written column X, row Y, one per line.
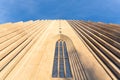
column 79, row 73
column 7, row 60
column 109, row 58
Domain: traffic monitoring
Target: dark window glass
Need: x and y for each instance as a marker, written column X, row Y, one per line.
column 61, row 52
column 61, row 70
column 55, row 68
column 65, row 51
column 60, row 43
column 56, row 44
column 56, row 52
column 68, row 70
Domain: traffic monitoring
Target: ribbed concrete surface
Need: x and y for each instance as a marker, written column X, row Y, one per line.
column 27, row 49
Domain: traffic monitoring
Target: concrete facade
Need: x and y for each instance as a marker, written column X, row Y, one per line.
column 27, row 49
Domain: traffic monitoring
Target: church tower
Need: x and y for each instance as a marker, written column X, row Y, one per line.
column 59, row 50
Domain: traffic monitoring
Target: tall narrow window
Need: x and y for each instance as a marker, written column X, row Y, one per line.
column 61, row 65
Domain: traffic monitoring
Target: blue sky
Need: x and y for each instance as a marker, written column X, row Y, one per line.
column 107, row 11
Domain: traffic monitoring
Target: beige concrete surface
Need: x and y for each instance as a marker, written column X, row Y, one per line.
column 27, row 51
